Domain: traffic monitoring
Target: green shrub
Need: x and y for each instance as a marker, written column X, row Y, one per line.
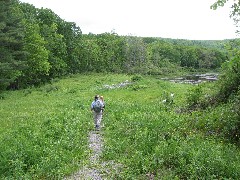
column 137, row 87
column 136, row 78
column 222, row 120
column 194, row 97
column 229, row 82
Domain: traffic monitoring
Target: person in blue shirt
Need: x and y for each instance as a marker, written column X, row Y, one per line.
column 97, row 109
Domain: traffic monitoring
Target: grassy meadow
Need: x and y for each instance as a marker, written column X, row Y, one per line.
column 44, row 131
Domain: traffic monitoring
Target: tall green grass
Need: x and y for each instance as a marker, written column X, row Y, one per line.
column 151, row 138
column 44, row 131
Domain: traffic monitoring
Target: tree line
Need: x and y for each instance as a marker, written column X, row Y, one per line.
column 37, row 46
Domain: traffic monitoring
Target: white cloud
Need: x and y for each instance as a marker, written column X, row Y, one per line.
column 185, row 19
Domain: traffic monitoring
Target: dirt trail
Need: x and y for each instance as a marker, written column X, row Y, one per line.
column 92, row 170
column 96, row 170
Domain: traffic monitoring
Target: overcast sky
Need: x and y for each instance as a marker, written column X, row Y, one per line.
column 177, row 19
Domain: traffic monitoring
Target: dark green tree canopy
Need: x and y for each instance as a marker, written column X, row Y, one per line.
column 11, row 42
column 37, row 45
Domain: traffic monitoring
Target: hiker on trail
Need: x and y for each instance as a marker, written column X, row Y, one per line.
column 97, row 109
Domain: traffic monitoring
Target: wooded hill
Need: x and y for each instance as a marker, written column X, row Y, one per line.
column 37, row 46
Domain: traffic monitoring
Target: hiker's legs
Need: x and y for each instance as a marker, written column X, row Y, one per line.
column 98, row 119
column 95, row 118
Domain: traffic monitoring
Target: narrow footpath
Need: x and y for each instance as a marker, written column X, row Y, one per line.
column 96, row 170
column 92, row 170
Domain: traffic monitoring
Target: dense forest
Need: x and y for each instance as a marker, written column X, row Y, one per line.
column 37, row 46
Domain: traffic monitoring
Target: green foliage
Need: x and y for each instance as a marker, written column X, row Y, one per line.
column 221, row 121
column 235, row 6
column 11, row 43
column 209, row 44
column 138, row 87
column 111, row 52
column 37, row 58
column 169, row 56
column 54, row 47
column 57, row 50
column 229, row 82
column 150, row 139
column 136, row 55
column 136, row 78
column 194, row 96
column 202, row 96
column 168, row 98
column 44, row 130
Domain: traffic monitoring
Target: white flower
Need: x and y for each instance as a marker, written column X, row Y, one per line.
column 172, row 94
column 164, row 101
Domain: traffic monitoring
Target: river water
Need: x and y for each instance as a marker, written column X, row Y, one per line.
column 194, row 78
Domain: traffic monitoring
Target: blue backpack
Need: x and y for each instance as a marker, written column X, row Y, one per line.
column 97, row 106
